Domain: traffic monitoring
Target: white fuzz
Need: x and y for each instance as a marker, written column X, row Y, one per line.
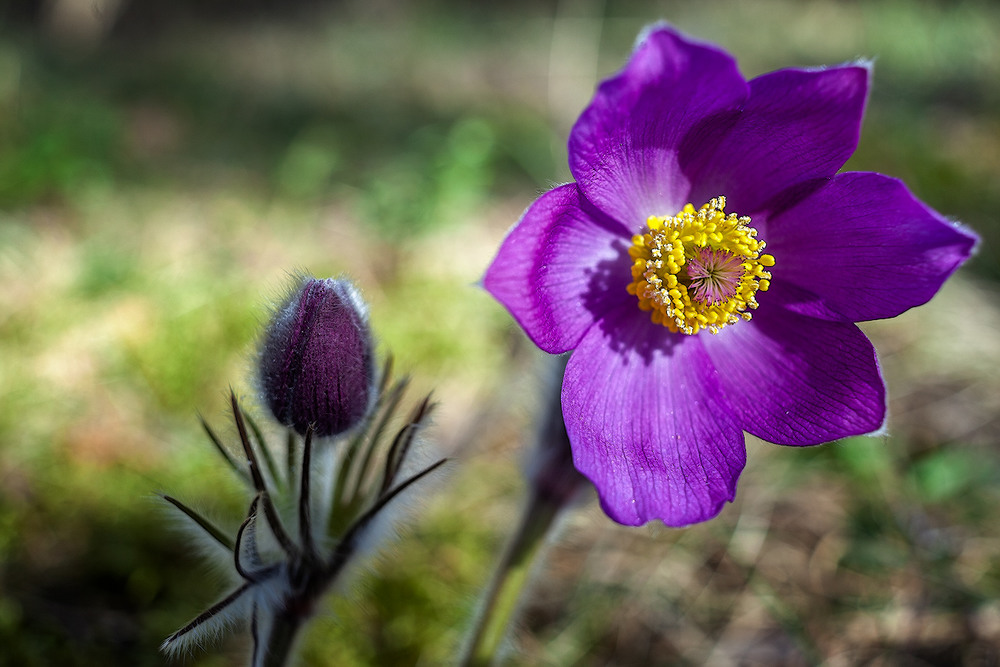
column 197, row 635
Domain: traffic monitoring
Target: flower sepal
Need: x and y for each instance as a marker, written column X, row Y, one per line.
column 335, row 493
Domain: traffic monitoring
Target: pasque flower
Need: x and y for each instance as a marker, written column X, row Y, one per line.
column 316, row 361
column 318, row 509
column 706, row 270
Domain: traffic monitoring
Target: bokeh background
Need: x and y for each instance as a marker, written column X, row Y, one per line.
column 166, row 164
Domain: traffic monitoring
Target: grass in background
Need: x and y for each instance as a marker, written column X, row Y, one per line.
column 155, row 190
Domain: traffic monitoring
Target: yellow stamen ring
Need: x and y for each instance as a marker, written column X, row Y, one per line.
column 699, row 269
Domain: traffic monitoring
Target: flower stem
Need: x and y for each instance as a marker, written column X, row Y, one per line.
column 554, row 482
column 513, row 570
column 280, row 640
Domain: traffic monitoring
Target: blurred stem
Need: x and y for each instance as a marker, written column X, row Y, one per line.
column 280, row 640
column 554, row 482
column 501, row 598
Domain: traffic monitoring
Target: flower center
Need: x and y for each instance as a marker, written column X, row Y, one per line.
column 699, row 269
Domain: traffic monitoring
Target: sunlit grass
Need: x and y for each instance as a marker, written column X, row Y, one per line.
column 155, row 196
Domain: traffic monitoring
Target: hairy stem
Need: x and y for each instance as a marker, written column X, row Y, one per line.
column 512, row 573
column 554, row 482
column 277, row 650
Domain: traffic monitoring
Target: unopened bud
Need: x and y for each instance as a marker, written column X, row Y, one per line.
column 316, row 361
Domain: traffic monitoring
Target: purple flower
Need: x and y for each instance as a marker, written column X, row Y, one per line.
column 651, row 268
column 316, row 361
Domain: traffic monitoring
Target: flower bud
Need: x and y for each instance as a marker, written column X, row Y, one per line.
column 316, row 361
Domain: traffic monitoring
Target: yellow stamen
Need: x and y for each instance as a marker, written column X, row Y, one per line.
column 699, row 269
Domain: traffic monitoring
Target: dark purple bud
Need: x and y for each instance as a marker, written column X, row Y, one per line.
column 316, row 361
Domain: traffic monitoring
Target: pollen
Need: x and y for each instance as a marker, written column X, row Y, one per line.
column 700, row 269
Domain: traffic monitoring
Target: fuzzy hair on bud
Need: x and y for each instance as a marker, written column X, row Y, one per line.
column 316, row 365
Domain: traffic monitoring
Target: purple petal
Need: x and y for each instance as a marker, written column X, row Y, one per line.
column 623, row 150
column 649, row 424
column 797, row 380
column 797, row 125
column 866, row 246
column 553, row 268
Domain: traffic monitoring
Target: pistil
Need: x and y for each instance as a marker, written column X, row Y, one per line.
column 700, row 269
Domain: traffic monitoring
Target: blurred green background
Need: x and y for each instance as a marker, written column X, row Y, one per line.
column 164, row 166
